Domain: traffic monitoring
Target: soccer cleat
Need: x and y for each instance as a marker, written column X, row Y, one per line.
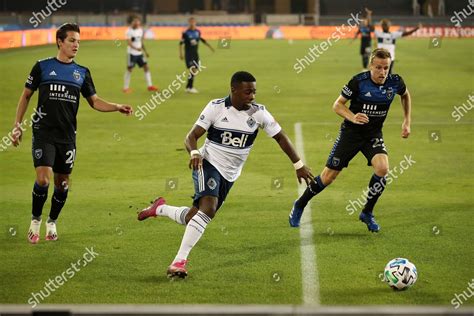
column 150, row 211
column 127, row 90
column 51, row 233
column 369, row 220
column 34, row 231
column 152, row 88
column 192, row 90
column 177, row 269
column 295, row 216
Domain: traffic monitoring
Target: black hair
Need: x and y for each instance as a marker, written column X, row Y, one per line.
column 61, row 33
column 242, row 76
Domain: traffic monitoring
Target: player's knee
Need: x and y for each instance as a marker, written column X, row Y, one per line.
column 42, row 181
column 381, row 170
column 61, row 183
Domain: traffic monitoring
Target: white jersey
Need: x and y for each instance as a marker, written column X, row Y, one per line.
column 231, row 133
column 387, row 41
column 135, row 35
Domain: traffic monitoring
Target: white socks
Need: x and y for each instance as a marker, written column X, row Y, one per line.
column 192, row 234
column 148, row 78
column 177, row 214
column 126, row 79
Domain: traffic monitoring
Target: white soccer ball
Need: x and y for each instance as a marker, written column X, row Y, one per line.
column 400, row 274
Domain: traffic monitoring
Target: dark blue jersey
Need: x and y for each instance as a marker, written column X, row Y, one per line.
column 365, row 35
column 371, row 99
column 190, row 39
column 60, row 85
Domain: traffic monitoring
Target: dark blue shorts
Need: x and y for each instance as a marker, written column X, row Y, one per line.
column 133, row 60
column 350, row 142
column 209, row 182
column 192, row 61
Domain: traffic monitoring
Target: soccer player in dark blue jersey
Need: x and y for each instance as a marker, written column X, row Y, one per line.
column 190, row 39
column 60, row 82
column 365, row 30
column 371, row 94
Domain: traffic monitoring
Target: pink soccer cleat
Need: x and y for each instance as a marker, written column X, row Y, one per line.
column 150, row 211
column 51, row 233
column 178, row 269
column 34, row 231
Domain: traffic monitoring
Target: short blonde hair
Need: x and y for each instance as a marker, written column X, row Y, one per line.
column 381, row 53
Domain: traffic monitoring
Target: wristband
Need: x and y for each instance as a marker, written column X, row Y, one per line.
column 195, row 152
column 298, row 165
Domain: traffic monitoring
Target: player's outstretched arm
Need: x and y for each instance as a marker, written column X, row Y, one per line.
column 207, row 44
column 190, row 142
column 101, row 105
column 406, row 33
column 341, row 109
column 406, row 104
column 17, row 131
column 302, row 171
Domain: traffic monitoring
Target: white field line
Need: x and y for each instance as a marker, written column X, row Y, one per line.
column 309, row 269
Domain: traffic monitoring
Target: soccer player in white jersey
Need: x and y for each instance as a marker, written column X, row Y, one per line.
column 135, row 54
column 232, row 124
column 387, row 39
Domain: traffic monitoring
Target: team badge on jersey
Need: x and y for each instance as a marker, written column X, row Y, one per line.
column 389, row 93
column 251, row 122
column 38, row 153
column 211, row 183
column 77, row 75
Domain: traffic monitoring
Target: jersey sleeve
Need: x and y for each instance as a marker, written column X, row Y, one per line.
column 350, row 90
column 128, row 34
column 183, row 38
column 34, row 78
column 377, row 33
column 402, row 88
column 207, row 116
column 88, row 88
column 269, row 124
column 397, row 34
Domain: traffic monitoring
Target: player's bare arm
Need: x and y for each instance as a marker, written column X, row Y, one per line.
column 17, row 132
column 181, row 51
column 102, row 105
column 406, row 33
column 302, row 171
column 406, row 105
column 342, row 110
column 195, row 162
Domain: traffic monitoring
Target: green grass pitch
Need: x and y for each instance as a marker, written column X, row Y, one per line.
column 249, row 254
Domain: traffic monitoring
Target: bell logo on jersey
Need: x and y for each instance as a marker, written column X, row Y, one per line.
column 228, row 140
